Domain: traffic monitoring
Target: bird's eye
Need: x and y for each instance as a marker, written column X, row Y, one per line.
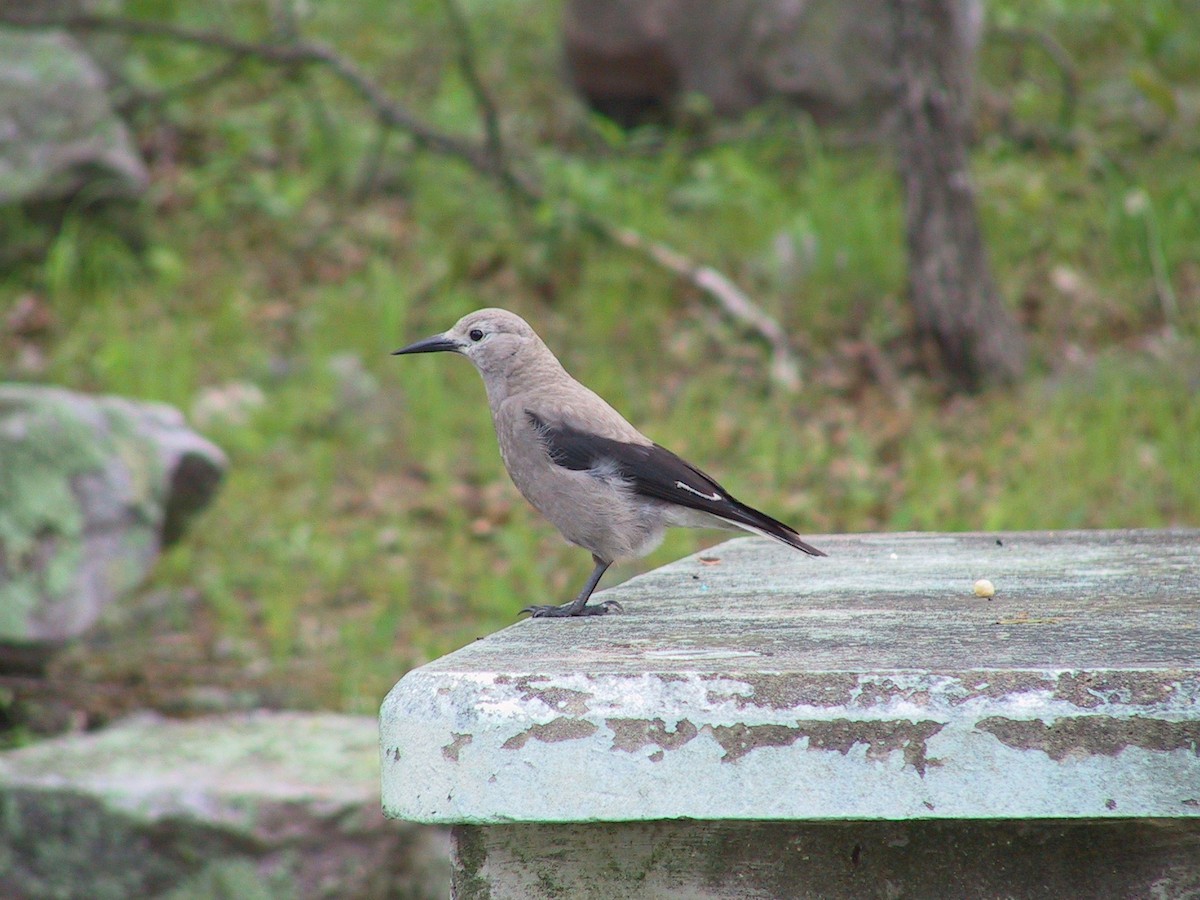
column 475, row 334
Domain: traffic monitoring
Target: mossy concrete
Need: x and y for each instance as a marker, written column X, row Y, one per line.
column 272, row 805
column 61, row 134
column 1047, row 858
column 91, row 489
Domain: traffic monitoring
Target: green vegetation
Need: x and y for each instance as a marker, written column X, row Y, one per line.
column 367, row 523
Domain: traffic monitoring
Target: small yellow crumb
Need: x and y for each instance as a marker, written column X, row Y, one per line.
column 984, row 588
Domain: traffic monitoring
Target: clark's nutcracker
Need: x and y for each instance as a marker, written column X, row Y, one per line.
column 602, row 483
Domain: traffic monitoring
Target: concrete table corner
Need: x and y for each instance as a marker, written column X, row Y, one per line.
column 751, row 700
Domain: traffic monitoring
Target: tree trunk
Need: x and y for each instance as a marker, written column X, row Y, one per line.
column 962, row 323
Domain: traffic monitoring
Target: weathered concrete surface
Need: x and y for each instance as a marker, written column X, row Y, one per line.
column 750, row 682
column 261, row 805
column 1111, row 860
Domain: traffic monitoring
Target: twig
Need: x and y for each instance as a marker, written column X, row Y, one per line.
column 1163, row 289
column 1068, row 76
column 490, row 160
column 483, row 98
column 292, row 54
column 732, row 300
column 368, row 172
column 129, row 99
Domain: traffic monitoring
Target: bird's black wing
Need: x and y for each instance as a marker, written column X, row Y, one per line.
column 655, row 471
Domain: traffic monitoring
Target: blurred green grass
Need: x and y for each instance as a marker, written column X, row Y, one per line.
column 367, row 524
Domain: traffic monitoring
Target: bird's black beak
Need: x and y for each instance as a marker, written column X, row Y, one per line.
column 439, row 343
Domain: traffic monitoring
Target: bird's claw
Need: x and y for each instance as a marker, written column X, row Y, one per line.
column 564, row 611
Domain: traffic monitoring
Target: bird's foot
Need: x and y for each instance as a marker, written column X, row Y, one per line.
column 568, row 609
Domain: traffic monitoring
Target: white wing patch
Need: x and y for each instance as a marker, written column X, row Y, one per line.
column 714, row 496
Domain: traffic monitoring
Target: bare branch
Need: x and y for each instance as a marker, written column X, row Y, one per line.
column 732, row 300
column 1068, row 74
column 302, row 53
column 368, row 172
column 143, row 99
column 483, row 98
column 490, row 159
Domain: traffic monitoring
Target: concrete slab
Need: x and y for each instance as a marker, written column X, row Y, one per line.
column 251, row 805
column 750, row 682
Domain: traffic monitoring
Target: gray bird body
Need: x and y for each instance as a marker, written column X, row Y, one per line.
column 602, row 483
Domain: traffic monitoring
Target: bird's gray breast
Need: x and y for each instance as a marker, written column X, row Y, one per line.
column 593, row 505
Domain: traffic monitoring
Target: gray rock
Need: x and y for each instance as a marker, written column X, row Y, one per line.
column 830, row 57
column 91, row 489
column 258, row 805
column 58, row 132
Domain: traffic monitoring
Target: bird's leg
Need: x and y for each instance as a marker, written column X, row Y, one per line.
column 578, row 606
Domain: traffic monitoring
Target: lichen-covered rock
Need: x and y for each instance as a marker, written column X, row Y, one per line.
column 260, row 805
column 832, row 58
column 58, row 132
column 91, row 489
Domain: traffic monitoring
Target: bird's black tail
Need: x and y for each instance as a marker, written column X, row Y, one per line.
column 760, row 523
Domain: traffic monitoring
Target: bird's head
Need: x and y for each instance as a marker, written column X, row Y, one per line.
column 491, row 338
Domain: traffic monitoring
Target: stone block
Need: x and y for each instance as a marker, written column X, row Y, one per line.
column 262, row 805
column 91, row 489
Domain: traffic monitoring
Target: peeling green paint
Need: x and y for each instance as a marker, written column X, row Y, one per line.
column 1094, row 735
column 451, row 750
column 632, row 735
column 560, row 729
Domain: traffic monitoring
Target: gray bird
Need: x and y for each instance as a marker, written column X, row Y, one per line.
column 602, row 483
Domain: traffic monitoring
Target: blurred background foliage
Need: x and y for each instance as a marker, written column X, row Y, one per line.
column 287, row 245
